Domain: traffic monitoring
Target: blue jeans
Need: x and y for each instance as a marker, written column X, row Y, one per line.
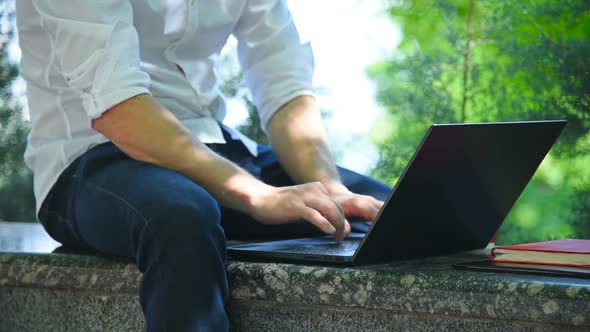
column 172, row 227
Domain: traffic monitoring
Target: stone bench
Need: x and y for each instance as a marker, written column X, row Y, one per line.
column 45, row 291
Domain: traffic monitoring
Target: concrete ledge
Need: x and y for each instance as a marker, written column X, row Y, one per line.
column 268, row 316
column 72, row 292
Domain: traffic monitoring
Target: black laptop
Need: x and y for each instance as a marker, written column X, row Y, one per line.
column 453, row 196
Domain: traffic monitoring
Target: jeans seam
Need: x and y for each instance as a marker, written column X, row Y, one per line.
column 131, row 207
column 126, row 203
column 112, row 194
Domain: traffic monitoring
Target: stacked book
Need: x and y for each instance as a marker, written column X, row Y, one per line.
column 567, row 258
column 567, row 255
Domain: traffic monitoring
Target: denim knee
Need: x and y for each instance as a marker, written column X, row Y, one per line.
column 188, row 226
column 182, row 255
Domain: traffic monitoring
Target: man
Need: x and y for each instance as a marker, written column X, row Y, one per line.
column 130, row 157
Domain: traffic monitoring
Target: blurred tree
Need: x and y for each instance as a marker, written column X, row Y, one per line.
column 16, row 182
column 496, row 60
column 233, row 86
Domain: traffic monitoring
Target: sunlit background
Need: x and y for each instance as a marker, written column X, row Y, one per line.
column 386, row 70
column 347, row 36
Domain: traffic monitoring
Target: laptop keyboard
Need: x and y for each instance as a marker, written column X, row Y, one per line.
column 325, row 248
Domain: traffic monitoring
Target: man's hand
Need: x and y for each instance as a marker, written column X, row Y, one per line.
column 299, row 140
column 310, row 201
column 355, row 205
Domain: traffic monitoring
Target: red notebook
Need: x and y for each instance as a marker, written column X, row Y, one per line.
column 567, row 252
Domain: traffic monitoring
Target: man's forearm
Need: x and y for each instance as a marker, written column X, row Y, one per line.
column 300, row 142
column 146, row 131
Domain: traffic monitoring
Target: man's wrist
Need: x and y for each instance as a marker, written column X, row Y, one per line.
column 248, row 195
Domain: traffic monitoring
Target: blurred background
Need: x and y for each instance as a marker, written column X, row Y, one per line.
column 385, row 71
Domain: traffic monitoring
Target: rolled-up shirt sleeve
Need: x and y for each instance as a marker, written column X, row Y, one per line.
column 276, row 66
column 95, row 47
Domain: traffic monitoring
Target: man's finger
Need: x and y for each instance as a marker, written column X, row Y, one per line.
column 330, row 210
column 345, row 233
column 362, row 207
column 316, row 219
column 377, row 203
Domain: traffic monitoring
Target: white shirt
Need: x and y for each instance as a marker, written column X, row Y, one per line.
column 80, row 58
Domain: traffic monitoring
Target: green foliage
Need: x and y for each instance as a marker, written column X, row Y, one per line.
column 252, row 126
column 233, row 86
column 16, row 182
column 496, row 60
